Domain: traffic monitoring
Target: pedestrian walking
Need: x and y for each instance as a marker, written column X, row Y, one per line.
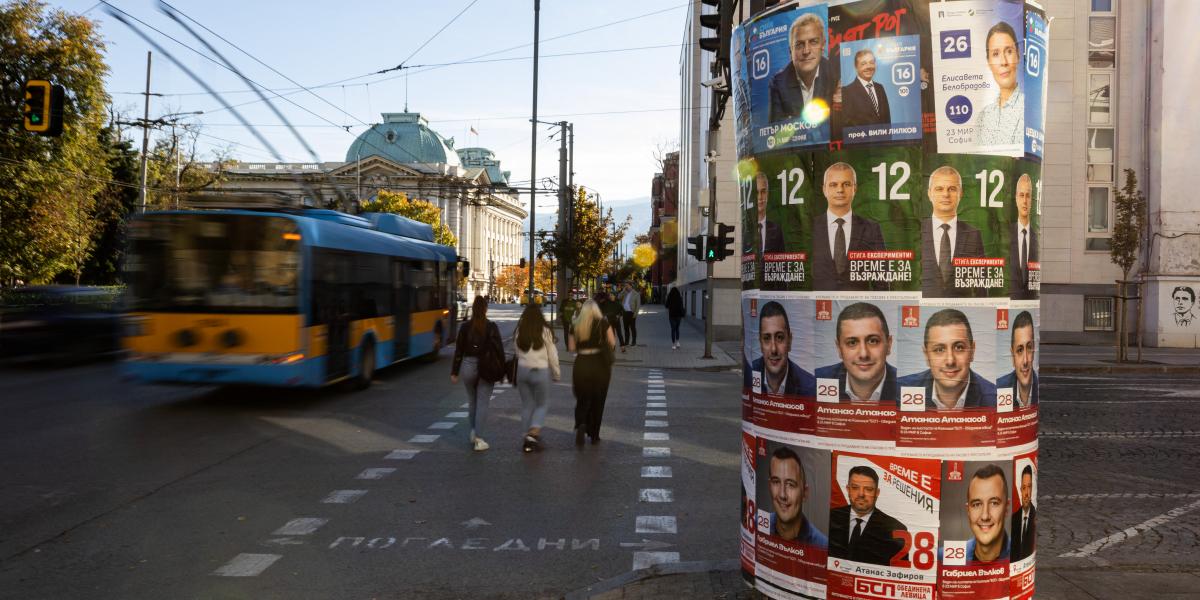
column 631, row 304
column 537, row 364
column 593, row 342
column 612, row 311
column 674, row 315
column 479, row 359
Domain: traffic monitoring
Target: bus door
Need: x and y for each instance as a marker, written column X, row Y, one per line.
column 402, row 309
column 332, row 308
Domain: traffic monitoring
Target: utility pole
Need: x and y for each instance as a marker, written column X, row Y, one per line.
column 145, row 131
column 712, row 232
column 564, row 208
column 537, row 8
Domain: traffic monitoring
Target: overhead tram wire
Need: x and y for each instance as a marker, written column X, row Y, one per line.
column 432, row 37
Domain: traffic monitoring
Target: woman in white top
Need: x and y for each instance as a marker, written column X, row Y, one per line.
column 537, row 363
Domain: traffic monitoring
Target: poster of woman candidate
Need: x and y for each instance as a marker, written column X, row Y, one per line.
column 883, row 526
column 976, row 539
column 978, row 79
column 792, row 80
column 792, row 522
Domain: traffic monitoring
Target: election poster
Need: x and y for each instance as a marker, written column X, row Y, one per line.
column 785, row 191
column 883, row 527
column 880, row 96
column 751, row 379
column 749, row 504
column 857, row 395
column 792, row 523
column 1023, row 526
column 1037, row 40
column 1024, row 232
column 752, row 197
column 781, row 365
column 1017, row 386
column 864, row 219
column 964, row 225
column 979, row 87
column 975, row 516
column 740, row 86
column 947, row 379
column 792, row 79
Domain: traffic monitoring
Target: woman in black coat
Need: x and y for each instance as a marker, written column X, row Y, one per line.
column 675, row 314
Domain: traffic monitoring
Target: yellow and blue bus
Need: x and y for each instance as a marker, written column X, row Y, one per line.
column 282, row 297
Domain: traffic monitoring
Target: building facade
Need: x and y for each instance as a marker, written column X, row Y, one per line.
column 664, row 226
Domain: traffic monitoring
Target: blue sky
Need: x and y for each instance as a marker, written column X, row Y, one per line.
column 316, row 43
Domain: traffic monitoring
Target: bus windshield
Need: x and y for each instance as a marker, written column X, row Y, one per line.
column 213, row 263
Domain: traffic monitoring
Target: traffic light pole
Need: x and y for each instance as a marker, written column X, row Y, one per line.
column 145, row 132
column 708, row 290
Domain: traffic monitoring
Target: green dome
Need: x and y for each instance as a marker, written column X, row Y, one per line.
column 404, row 138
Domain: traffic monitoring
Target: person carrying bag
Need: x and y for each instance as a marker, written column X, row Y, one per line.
column 479, row 356
column 536, row 360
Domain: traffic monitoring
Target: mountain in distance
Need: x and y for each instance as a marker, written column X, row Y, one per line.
column 636, row 208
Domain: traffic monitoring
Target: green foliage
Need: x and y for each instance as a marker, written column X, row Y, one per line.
column 417, row 210
column 588, row 252
column 48, row 199
column 1129, row 208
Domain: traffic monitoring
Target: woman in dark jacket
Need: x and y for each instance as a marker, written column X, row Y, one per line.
column 592, row 341
column 478, row 341
column 675, row 315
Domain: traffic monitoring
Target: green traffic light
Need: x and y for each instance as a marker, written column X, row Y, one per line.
column 35, row 118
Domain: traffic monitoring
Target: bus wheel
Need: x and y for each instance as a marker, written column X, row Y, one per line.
column 366, row 366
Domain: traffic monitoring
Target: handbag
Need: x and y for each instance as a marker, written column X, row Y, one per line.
column 491, row 366
column 510, row 370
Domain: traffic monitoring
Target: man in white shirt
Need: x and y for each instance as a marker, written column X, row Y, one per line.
column 949, row 382
column 631, row 303
column 944, row 237
column 1022, row 243
column 859, row 531
column 1024, row 521
column 864, row 100
column 808, row 79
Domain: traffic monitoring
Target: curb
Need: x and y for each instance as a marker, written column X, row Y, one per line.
column 1118, row 369
column 652, row 572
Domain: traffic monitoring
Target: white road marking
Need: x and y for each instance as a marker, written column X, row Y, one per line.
column 443, row 425
column 423, row 438
column 402, row 454
column 656, row 404
column 656, row 436
column 465, row 405
column 1119, row 434
column 1121, row 536
column 656, row 472
column 660, row 397
column 1120, row 496
column 462, row 414
column 655, row 524
column 656, row 413
column 302, row 526
column 656, row 495
column 655, row 423
column 247, row 565
column 343, row 496
column 645, row 560
column 653, row 452
column 375, row 473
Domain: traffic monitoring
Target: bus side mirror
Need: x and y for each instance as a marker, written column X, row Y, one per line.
column 466, row 268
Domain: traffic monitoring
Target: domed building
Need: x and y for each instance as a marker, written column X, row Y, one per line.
column 403, row 154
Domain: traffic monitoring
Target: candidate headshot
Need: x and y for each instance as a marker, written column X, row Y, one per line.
column 864, row 101
column 859, row 531
column 1024, row 522
column 841, row 231
column 1023, row 379
column 1184, row 300
column 1003, row 121
column 769, row 233
column 789, row 490
column 949, row 382
column 808, row 77
column 944, row 237
column 864, row 343
column 987, row 506
column 1022, row 242
column 780, row 376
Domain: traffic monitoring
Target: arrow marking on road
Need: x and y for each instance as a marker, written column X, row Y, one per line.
column 475, row 523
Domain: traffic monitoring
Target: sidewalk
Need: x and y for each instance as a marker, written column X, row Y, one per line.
column 1063, row 358
column 654, row 346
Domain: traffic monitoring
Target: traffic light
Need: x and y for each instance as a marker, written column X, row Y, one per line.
column 723, row 242
column 522, row 263
column 43, row 107
column 696, row 246
column 721, row 24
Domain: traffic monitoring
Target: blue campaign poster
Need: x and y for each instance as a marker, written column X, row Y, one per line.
column 1037, row 58
column 881, row 89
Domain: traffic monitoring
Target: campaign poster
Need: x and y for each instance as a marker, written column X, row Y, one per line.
column 1017, row 386
column 883, row 527
column 880, row 96
column 858, row 398
column 741, row 93
column 792, row 522
column 964, row 225
column 1023, row 526
column 752, row 196
column 1037, row 60
column 864, row 218
column 947, row 379
column 975, row 515
column 749, row 504
column 1024, row 233
column 782, row 382
column 784, row 194
column 979, row 87
column 750, row 379
column 792, row 79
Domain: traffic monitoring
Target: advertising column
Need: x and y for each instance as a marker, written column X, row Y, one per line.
column 890, row 167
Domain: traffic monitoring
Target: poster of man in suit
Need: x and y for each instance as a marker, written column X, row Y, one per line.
column 880, row 93
column 1024, row 241
column 975, row 516
column 793, row 515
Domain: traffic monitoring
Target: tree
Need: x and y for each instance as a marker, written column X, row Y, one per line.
column 115, row 202
column 512, row 279
column 1129, row 208
column 588, row 251
column 173, row 170
column 48, row 198
column 417, row 210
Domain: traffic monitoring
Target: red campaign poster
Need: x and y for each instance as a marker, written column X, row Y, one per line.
column 783, row 415
column 792, row 491
column 749, row 508
column 1022, row 528
column 781, row 380
column 1017, row 389
column 883, row 527
column 976, row 536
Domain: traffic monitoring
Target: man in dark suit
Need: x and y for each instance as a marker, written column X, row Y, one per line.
column 840, row 231
column 770, row 236
column 864, row 343
column 949, row 381
column 1024, row 521
column 780, row 376
column 859, row 531
column 1023, row 379
column 864, row 101
column 1022, row 243
column 944, row 237
column 808, row 76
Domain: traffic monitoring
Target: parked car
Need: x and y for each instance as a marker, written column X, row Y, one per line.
column 551, row 297
column 59, row 320
column 464, row 307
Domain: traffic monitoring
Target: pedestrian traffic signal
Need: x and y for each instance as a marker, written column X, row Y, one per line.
column 696, row 246
column 43, row 107
column 723, row 242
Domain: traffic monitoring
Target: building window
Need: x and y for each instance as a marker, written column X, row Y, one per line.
column 1101, row 119
column 1098, row 209
column 1097, row 313
column 1099, row 112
